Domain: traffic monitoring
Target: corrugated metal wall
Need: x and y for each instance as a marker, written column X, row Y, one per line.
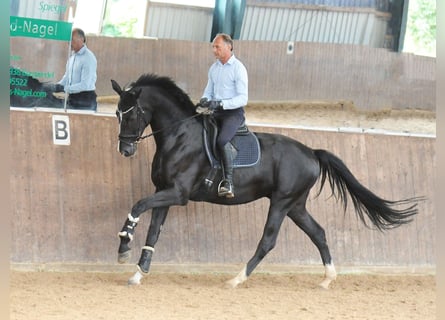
column 337, row 22
column 69, row 202
column 377, row 4
column 168, row 21
column 314, row 24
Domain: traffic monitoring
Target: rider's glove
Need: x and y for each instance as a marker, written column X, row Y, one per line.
column 214, row 105
column 201, row 107
column 58, row 88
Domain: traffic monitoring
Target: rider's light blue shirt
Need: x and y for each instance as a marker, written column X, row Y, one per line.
column 80, row 74
column 228, row 82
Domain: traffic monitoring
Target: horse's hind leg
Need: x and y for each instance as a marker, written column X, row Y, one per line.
column 158, row 217
column 275, row 218
column 316, row 233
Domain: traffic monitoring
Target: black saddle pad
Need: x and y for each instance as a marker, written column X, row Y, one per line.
column 245, row 142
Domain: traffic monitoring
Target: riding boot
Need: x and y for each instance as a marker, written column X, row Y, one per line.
column 227, row 155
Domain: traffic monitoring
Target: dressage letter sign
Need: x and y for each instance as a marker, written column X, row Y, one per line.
column 61, row 130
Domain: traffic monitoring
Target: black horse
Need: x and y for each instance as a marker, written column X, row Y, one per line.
column 285, row 174
column 27, row 92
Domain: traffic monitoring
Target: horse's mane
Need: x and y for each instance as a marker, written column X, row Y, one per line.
column 167, row 84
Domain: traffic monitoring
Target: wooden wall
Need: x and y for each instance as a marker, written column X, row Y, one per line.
column 373, row 79
column 69, row 202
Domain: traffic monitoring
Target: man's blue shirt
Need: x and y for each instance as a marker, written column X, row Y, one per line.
column 80, row 74
column 228, row 82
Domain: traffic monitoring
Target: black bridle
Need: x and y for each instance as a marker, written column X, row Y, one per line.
column 136, row 138
column 133, row 138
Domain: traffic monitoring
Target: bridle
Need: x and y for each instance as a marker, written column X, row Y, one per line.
column 136, row 138
column 133, row 138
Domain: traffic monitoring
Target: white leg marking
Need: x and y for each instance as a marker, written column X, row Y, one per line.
column 135, row 279
column 329, row 275
column 240, row 278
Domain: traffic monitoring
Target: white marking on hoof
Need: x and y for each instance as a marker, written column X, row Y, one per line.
column 135, row 279
column 240, row 278
column 329, row 275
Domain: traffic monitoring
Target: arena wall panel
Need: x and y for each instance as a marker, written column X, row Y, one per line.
column 69, row 202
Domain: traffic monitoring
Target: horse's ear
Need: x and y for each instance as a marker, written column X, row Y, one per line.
column 137, row 92
column 116, row 87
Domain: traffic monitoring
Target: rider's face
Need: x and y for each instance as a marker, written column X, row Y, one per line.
column 221, row 50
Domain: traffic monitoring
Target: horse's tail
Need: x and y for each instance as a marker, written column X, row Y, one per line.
column 381, row 212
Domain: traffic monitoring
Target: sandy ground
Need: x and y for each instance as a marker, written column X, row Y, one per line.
column 92, row 295
column 340, row 115
column 82, row 295
column 326, row 114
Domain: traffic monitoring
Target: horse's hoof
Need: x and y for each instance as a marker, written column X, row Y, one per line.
column 124, row 256
column 135, row 279
column 133, row 282
column 231, row 284
column 325, row 284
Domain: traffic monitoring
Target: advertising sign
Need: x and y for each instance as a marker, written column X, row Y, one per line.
column 40, row 35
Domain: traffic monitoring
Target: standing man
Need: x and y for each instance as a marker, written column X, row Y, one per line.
column 79, row 80
column 225, row 96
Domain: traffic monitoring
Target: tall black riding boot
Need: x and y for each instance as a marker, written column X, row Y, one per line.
column 227, row 155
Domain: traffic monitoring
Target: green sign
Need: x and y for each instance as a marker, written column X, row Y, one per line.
column 39, row 28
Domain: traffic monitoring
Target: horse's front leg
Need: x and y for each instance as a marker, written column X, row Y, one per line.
column 158, row 217
column 126, row 236
column 163, row 198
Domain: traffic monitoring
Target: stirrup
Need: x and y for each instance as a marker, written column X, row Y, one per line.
column 225, row 192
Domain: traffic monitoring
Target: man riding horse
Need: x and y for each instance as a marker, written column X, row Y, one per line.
column 224, row 97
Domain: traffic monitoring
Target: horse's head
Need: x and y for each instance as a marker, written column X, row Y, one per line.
column 132, row 118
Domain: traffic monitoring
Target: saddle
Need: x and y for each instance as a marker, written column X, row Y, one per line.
column 244, row 141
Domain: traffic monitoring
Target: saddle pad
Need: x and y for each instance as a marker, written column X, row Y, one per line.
column 248, row 148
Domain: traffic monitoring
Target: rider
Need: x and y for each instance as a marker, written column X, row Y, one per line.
column 225, row 96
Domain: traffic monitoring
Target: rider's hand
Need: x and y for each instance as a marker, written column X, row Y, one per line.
column 202, row 107
column 203, row 110
column 58, row 88
column 214, row 105
column 203, row 101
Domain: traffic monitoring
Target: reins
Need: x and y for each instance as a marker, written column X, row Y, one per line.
column 165, row 128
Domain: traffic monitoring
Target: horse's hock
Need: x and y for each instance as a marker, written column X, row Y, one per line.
column 62, row 215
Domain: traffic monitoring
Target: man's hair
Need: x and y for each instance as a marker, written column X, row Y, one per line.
column 80, row 33
column 226, row 38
